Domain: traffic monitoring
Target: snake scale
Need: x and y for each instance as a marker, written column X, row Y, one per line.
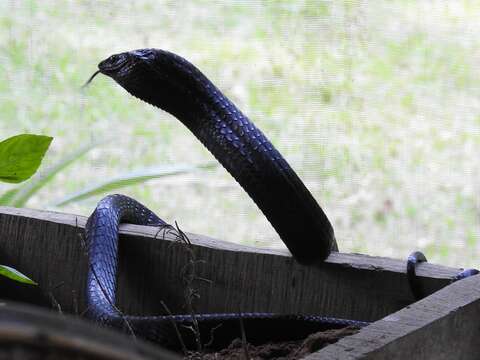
column 169, row 82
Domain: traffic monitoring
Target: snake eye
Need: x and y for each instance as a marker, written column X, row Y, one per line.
column 114, row 59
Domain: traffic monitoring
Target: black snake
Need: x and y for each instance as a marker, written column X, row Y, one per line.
column 171, row 83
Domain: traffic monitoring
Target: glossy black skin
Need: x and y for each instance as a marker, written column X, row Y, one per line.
column 418, row 257
column 415, row 285
column 102, row 241
column 171, row 83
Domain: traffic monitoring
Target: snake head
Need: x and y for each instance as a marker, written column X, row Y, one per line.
column 133, row 70
column 158, row 77
column 123, row 65
column 116, row 64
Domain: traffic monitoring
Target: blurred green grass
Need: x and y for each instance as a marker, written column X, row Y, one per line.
column 375, row 104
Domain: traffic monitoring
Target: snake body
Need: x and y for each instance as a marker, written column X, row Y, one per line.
column 102, row 238
column 169, row 82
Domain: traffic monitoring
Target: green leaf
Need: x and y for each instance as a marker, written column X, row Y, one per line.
column 16, row 275
column 21, row 155
column 133, row 178
column 26, row 191
column 7, row 196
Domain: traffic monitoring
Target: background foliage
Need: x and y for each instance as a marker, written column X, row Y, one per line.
column 375, row 104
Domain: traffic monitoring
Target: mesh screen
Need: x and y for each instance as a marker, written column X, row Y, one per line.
column 374, row 103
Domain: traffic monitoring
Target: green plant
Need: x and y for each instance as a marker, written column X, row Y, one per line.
column 16, row 275
column 19, row 196
column 20, row 157
column 132, row 178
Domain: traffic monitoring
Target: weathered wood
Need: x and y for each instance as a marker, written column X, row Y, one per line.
column 28, row 332
column 442, row 326
column 47, row 246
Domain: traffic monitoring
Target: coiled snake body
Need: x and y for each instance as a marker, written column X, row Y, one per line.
column 171, row 83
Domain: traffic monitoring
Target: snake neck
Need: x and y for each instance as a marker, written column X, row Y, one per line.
column 171, row 83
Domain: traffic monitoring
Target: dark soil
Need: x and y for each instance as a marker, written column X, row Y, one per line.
column 286, row 350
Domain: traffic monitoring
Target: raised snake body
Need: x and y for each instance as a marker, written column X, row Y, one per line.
column 171, row 83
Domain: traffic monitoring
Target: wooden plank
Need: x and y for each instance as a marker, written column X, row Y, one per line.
column 28, row 332
column 47, row 246
column 441, row 326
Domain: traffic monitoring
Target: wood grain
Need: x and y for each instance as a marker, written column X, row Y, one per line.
column 47, row 246
column 442, row 326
